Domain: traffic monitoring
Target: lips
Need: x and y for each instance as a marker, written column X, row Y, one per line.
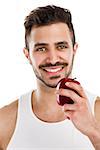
column 53, row 69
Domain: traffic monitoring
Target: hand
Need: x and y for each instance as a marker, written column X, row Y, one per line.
column 79, row 112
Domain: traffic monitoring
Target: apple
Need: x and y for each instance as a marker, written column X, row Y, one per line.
column 61, row 100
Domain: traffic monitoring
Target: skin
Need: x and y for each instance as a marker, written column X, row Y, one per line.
column 56, row 47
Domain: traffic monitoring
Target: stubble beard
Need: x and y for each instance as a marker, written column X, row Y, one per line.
column 67, row 74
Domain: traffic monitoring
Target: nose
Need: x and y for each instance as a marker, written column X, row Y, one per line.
column 53, row 57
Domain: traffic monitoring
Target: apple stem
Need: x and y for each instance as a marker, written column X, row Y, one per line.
column 74, row 78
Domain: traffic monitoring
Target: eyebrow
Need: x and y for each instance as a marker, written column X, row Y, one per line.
column 62, row 42
column 40, row 44
column 46, row 44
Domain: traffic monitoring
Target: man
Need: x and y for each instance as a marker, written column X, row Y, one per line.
column 36, row 121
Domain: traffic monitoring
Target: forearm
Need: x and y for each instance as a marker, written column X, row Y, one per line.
column 95, row 136
column 96, row 144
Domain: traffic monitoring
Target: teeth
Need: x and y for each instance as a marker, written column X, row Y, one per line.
column 53, row 70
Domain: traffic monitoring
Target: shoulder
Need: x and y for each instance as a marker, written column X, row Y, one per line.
column 97, row 108
column 8, row 115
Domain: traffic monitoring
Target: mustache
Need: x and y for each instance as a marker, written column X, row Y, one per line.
column 53, row 65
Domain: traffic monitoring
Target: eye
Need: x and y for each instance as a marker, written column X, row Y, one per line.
column 60, row 47
column 41, row 49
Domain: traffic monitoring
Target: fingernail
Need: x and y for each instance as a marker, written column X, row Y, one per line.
column 67, row 83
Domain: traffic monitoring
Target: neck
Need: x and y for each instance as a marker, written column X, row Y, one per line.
column 46, row 95
column 45, row 105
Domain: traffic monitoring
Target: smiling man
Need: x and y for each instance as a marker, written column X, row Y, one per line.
column 53, row 52
column 36, row 121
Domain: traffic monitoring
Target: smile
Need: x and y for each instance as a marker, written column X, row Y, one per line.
column 53, row 70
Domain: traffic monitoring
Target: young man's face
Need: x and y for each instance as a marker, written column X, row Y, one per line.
column 51, row 53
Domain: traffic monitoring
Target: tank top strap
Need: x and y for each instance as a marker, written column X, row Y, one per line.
column 92, row 98
column 24, row 104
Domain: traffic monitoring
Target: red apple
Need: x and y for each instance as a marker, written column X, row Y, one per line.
column 61, row 100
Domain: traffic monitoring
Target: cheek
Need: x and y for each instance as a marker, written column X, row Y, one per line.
column 68, row 55
column 36, row 60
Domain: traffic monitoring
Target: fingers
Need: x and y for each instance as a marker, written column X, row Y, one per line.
column 74, row 111
column 74, row 91
column 69, row 93
column 76, row 87
column 68, row 110
column 68, row 107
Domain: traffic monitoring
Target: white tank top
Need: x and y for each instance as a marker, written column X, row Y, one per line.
column 33, row 134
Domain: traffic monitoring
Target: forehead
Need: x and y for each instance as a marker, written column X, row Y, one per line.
column 50, row 33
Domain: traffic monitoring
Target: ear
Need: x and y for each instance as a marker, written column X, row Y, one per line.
column 75, row 48
column 27, row 55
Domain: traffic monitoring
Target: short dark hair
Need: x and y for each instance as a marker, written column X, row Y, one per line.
column 47, row 15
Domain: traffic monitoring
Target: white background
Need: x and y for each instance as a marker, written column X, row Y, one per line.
column 16, row 75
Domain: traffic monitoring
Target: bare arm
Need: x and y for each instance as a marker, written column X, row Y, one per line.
column 7, row 123
column 95, row 135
